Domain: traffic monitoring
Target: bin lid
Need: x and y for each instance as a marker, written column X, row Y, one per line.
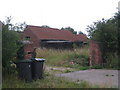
column 24, row 61
column 39, row 59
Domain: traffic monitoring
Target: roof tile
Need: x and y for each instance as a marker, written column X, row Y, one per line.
column 55, row 34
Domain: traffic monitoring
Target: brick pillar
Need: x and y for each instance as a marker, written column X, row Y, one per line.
column 28, row 49
column 95, row 53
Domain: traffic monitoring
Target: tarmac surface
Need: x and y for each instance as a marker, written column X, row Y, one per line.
column 94, row 76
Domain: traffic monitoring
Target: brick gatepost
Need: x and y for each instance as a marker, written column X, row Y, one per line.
column 95, row 53
column 28, row 49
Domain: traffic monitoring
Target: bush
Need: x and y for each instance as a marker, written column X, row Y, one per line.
column 111, row 61
column 9, row 47
column 82, row 60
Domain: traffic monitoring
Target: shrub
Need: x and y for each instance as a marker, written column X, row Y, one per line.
column 79, row 59
column 9, row 47
column 111, row 61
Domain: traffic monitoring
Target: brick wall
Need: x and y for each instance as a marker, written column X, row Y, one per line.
column 33, row 37
column 95, row 53
column 29, row 48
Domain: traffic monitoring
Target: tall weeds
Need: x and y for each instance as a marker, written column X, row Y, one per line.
column 64, row 57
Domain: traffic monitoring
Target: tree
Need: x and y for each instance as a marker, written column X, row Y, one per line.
column 117, row 17
column 80, row 32
column 69, row 29
column 105, row 32
column 46, row 26
column 19, row 27
column 9, row 45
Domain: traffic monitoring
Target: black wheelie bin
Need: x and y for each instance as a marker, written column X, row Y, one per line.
column 24, row 70
column 37, row 68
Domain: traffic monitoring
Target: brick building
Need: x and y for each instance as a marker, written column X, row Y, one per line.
column 51, row 38
column 95, row 53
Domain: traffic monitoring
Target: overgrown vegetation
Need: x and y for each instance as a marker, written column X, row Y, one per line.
column 67, row 58
column 9, row 45
column 49, row 81
column 106, row 33
column 11, row 34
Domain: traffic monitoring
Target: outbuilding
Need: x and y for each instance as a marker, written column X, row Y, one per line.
column 45, row 37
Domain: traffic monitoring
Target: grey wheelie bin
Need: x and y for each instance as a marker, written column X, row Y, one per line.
column 37, row 68
column 24, row 69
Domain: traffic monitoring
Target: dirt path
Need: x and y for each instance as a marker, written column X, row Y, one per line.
column 95, row 77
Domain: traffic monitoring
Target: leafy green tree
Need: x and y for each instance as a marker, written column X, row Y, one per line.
column 70, row 29
column 117, row 17
column 46, row 26
column 80, row 32
column 19, row 26
column 9, row 45
column 106, row 33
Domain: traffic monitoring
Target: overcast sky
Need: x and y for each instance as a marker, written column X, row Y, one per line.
column 58, row 13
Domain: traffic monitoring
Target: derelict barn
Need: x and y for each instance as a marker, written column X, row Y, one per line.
column 52, row 38
column 56, row 44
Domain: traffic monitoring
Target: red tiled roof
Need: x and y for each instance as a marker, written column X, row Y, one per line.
column 55, row 34
column 80, row 37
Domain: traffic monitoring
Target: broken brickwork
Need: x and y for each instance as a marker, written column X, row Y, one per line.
column 95, row 53
column 28, row 51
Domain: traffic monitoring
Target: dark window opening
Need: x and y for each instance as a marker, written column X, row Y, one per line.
column 29, row 52
column 56, row 44
column 27, row 38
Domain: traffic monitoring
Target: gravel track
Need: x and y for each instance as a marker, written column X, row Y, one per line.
column 94, row 76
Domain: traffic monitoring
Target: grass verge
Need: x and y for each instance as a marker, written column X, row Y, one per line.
column 49, row 81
